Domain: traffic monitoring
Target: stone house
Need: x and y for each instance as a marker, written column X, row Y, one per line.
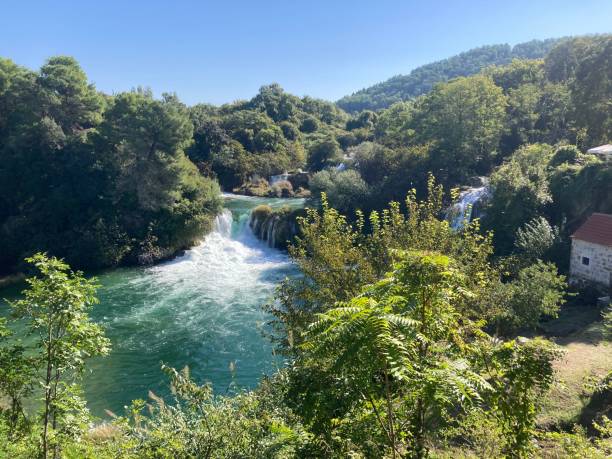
column 591, row 257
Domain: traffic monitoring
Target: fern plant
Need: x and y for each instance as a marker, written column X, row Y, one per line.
column 406, row 347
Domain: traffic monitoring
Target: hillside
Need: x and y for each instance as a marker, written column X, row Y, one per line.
column 422, row 79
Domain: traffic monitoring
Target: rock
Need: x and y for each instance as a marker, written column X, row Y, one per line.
column 276, row 227
column 299, row 180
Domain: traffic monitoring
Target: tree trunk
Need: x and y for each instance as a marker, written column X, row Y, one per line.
column 47, row 400
column 390, row 415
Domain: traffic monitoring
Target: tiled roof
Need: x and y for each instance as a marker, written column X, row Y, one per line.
column 597, row 229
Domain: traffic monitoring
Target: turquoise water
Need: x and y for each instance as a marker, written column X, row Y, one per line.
column 202, row 309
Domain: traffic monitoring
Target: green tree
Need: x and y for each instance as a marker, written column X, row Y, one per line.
column 591, row 90
column 275, row 102
column 55, row 307
column 323, row 153
column 536, row 238
column 16, row 376
column 518, row 73
column 70, row 100
column 403, row 342
column 538, row 291
column 346, row 189
column 465, row 118
column 520, row 190
column 338, row 258
column 148, row 137
column 394, row 125
column 521, row 372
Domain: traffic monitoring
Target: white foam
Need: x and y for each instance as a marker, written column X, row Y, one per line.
column 461, row 211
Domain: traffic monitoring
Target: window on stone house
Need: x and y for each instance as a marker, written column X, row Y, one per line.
column 586, row 261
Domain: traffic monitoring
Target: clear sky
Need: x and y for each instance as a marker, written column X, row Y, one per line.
column 220, row 51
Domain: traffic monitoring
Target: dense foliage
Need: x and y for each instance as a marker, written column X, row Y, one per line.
column 272, row 133
column 96, row 179
column 526, row 125
column 103, row 180
column 422, row 79
column 402, row 333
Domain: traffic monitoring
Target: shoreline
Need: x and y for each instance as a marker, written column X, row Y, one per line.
column 11, row 279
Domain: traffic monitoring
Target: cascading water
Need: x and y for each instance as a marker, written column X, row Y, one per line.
column 202, row 309
column 463, row 209
column 278, row 178
column 223, row 223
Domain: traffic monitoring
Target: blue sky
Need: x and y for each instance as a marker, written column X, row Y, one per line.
column 221, row 51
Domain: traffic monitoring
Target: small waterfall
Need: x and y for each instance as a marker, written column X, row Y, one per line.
column 273, row 238
column 223, row 223
column 270, row 231
column 202, row 308
column 463, row 209
column 270, row 228
column 278, row 178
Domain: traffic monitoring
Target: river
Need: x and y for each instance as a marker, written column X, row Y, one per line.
column 202, row 309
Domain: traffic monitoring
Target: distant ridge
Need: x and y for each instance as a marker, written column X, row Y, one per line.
column 422, row 79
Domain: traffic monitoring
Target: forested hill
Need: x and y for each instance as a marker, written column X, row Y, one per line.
column 422, row 79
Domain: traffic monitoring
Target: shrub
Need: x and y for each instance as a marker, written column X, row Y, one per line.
column 309, row 125
column 282, row 189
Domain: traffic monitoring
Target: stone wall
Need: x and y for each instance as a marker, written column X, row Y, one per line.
column 599, row 268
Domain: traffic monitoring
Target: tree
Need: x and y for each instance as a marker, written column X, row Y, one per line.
column 70, row 100
column 520, row 372
column 346, row 189
column 49, row 120
column 339, row 256
column 16, row 375
column 90, row 177
column 591, row 90
column 309, row 125
column 402, row 343
column 465, row 118
column 156, row 191
column 518, row 73
column 275, row 102
column 55, row 306
column 537, row 291
column 148, row 137
column 208, row 139
column 536, row 238
column 323, row 153
column 520, row 190
column 394, row 125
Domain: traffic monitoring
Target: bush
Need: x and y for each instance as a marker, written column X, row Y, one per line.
column 536, row 238
column 309, row 125
column 258, row 187
column 282, row 189
column 566, row 154
column 346, row 190
column 323, row 153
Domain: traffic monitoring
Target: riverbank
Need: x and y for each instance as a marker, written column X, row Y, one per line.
column 11, row 279
column 201, row 309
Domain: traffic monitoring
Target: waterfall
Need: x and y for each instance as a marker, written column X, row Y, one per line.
column 270, row 228
column 273, row 238
column 223, row 223
column 278, row 178
column 463, row 209
column 202, row 308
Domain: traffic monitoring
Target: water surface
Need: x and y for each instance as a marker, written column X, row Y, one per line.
column 202, row 309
